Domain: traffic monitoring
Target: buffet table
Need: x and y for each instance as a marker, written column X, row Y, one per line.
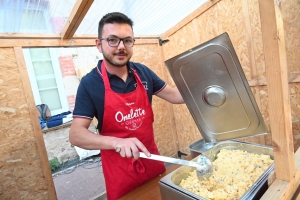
column 285, row 190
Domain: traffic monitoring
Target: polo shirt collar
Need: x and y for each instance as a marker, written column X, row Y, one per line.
column 109, row 74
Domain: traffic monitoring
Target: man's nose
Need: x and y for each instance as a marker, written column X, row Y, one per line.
column 121, row 45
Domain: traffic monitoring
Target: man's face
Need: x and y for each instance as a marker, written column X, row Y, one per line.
column 120, row 55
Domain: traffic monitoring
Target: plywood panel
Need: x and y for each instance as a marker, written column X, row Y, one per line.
column 295, row 101
column 225, row 16
column 295, row 109
column 256, row 33
column 231, row 16
column 290, row 10
column 165, row 136
column 187, row 129
column 20, row 163
column 182, row 40
column 264, row 109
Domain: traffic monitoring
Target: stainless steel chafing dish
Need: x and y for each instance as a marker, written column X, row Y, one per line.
column 216, row 92
column 169, row 184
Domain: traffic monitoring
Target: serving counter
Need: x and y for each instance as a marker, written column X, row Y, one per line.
column 150, row 190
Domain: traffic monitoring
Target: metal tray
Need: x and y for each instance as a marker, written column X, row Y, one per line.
column 169, row 184
column 214, row 87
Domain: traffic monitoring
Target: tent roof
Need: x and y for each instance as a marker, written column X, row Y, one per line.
column 81, row 17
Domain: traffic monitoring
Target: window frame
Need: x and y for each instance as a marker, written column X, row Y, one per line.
column 58, row 79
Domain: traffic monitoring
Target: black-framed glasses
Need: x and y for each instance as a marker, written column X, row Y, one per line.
column 115, row 41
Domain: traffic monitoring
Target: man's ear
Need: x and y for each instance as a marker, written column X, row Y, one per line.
column 98, row 45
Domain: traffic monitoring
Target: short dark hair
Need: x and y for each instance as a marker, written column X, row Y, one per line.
column 114, row 17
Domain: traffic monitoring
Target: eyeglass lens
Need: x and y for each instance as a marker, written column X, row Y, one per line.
column 114, row 41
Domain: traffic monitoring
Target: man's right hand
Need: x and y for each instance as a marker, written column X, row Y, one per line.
column 130, row 147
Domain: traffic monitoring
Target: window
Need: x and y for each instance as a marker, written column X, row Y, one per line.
column 34, row 21
column 46, row 79
column 25, row 16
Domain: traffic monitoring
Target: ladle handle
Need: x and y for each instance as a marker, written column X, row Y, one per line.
column 169, row 160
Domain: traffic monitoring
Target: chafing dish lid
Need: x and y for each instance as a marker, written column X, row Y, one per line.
column 212, row 82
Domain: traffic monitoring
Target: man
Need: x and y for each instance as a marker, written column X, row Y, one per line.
column 119, row 94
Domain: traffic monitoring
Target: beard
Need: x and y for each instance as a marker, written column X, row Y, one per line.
column 115, row 62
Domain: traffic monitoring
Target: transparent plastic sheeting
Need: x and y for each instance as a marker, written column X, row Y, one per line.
column 153, row 17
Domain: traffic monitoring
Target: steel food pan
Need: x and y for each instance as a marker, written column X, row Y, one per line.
column 169, row 185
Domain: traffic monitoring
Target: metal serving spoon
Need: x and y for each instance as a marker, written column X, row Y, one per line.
column 204, row 167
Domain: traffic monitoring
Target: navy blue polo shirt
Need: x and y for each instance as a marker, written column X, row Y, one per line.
column 90, row 94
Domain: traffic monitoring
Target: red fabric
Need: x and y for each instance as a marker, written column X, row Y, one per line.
column 127, row 115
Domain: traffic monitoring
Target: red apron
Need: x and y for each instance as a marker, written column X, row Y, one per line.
column 127, row 115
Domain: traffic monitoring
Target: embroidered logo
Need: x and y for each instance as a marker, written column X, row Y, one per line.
column 144, row 83
column 131, row 120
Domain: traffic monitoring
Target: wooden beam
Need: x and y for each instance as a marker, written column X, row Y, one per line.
column 58, row 36
column 28, row 36
column 60, row 43
column 278, row 90
column 47, row 43
column 282, row 189
column 189, row 18
column 147, row 37
column 75, row 18
column 54, row 40
column 297, row 194
column 292, row 78
column 35, row 122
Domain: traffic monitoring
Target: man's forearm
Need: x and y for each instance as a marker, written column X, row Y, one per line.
column 86, row 139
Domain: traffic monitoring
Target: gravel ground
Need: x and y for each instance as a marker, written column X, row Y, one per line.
column 83, row 181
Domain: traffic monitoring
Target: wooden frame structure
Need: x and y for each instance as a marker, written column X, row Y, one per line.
column 287, row 162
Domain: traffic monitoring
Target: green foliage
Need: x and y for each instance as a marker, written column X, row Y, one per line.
column 54, row 163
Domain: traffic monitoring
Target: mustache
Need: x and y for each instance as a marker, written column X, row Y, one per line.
column 120, row 53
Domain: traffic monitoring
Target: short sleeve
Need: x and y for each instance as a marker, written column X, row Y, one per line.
column 158, row 83
column 84, row 105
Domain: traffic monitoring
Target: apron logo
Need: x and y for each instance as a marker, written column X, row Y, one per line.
column 133, row 120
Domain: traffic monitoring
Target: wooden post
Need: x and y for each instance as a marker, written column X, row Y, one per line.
column 278, row 90
column 35, row 123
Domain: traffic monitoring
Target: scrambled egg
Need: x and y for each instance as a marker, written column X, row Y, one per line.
column 234, row 173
